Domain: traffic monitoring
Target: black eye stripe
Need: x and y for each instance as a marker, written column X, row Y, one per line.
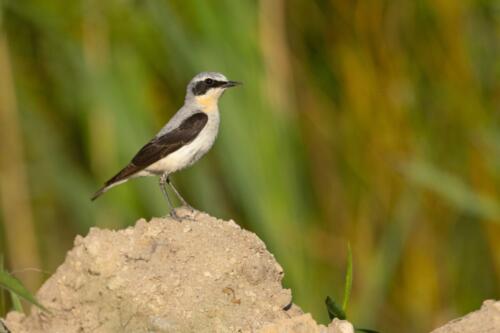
column 201, row 87
column 217, row 84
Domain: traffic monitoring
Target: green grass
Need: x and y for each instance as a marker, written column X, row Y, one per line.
column 16, row 290
column 336, row 311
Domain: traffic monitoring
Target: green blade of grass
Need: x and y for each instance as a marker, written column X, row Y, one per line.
column 3, row 309
column 365, row 330
column 454, row 190
column 16, row 302
column 348, row 279
column 334, row 310
column 17, row 289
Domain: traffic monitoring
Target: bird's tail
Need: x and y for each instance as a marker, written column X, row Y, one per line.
column 99, row 192
column 121, row 177
column 106, row 187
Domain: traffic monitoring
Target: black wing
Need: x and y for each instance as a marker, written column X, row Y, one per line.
column 161, row 146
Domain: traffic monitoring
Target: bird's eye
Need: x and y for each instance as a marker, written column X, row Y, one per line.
column 209, row 81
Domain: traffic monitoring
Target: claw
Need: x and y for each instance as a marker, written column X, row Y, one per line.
column 173, row 214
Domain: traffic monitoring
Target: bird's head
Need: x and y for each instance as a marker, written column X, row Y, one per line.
column 206, row 88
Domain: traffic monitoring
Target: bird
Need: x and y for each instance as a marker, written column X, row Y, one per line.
column 184, row 139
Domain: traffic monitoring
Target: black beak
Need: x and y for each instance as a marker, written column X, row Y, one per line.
column 230, row 84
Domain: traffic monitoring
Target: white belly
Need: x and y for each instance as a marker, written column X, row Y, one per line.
column 188, row 154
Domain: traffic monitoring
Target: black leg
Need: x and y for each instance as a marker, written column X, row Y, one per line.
column 163, row 183
column 184, row 202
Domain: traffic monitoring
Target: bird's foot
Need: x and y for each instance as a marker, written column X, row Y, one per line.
column 173, row 214
column 185, row 212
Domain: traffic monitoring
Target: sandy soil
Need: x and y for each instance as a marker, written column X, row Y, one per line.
column 484, row 320
column 196, row 275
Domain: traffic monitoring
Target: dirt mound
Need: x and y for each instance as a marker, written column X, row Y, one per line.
column 197, row 275
column 485, row 320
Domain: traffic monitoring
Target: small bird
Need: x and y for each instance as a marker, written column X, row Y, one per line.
column 188, row 135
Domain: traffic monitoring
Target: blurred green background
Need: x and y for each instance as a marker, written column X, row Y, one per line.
column 369, row 122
